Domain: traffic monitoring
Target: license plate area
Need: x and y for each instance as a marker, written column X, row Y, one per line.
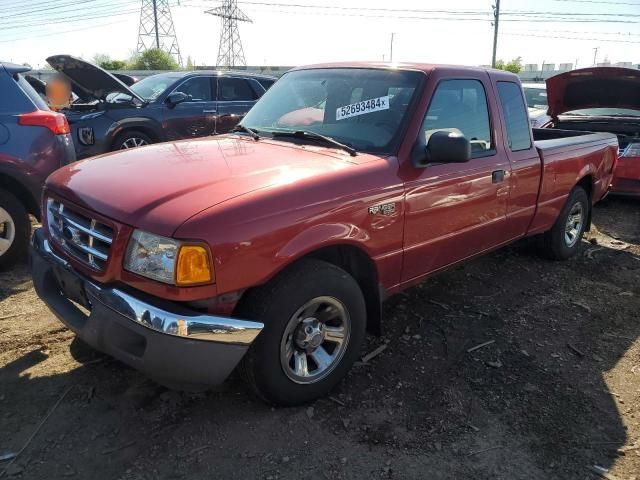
column 71, row 286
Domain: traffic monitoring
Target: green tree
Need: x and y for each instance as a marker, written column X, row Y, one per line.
column 105, row 61
column 153, row 59
column 514, row 66
column 190, row 65
column 114, row 65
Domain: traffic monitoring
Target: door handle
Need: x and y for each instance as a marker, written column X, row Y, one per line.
column 497, row 176
column 209, row 111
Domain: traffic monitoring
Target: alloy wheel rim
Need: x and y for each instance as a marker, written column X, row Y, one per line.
column 315, row 340
column 573, row 227
column 133, row 142
column 7, row 231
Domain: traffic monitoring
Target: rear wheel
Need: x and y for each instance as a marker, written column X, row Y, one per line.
column 315, row 318
column 563, row 240
column 131, row 139
column 15, row 229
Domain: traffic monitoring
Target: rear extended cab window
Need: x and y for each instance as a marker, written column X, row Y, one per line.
column 515, row 116
column 460, row 106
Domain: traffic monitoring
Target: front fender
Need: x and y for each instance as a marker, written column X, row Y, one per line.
column 321, row 236
column 143, row 123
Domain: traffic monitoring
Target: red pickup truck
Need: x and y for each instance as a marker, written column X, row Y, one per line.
column 274, row 246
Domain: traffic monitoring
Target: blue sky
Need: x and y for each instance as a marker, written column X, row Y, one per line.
column 460, row 33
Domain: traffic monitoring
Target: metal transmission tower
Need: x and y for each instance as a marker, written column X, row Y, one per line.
column 156, row 29
column 230, row 51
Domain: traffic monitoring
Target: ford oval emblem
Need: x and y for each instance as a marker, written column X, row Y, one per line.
column 71, row 234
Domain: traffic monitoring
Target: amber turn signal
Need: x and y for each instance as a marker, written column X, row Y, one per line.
column 193, row 266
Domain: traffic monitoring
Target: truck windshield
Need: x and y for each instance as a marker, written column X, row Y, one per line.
column 359, row 107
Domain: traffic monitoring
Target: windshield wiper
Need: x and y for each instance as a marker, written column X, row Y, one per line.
column 251, row 131
column 306, row 135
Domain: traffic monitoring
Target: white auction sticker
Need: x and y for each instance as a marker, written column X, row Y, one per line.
column 360, row 108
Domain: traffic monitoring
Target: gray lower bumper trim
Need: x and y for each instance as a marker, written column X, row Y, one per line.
column 177, row 322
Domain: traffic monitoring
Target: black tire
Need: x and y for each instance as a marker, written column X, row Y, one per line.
column 128, row 136
column 555, row 243
column 18, row 228
column 275, row 304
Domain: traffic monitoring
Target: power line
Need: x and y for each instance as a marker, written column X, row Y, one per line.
column 599, row 2
column 71, row 19
column 62, row 32
column 570, row 38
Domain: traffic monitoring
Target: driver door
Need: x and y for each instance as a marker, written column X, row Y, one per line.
column 456, row 210
column 194, row 117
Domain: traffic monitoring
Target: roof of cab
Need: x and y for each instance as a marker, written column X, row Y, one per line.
column 13, row 68
column 415, row 66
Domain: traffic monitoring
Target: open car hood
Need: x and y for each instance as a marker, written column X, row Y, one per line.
column 600, row 87
column 92, row 80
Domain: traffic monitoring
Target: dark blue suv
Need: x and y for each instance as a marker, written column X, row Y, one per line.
column 109, row 115
column 34, row 141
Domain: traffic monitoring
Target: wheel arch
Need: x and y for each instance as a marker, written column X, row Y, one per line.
column 21, row 192
column 587, row 184
column 147, row 126
column 356, row 262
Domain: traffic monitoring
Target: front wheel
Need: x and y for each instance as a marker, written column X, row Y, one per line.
column 563, row 240
column 131, row 139
column 315, row 318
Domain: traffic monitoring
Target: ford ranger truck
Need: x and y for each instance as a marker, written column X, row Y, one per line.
column 271, row 249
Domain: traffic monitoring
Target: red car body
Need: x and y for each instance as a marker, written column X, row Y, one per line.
column 599, row 96
column 260, row 206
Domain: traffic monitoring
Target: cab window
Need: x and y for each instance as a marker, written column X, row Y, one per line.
column 460, row 106
column 516, row 119
column 235, row 90
column 198, row 88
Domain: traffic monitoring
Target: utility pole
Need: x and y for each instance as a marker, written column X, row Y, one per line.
column 391, row 53
column 230, row 51
column 155, row 22
column 595, row 55
column 496, row 19
column 156, row 29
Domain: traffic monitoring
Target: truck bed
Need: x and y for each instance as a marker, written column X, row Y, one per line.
column 566, row 156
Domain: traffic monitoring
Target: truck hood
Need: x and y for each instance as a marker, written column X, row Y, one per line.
column 157, row 188
column 602, row 87
column 90, row 79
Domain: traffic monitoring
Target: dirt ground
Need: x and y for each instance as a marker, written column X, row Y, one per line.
column 557, row 392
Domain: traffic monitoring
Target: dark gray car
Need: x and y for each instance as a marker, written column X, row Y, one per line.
column 34, row 141
column 168, row 106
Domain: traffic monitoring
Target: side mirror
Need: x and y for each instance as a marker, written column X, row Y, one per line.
column 444, row 147
column 175, row 98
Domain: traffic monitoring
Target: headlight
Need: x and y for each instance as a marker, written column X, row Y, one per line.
column 632, row 150
column 167, row 260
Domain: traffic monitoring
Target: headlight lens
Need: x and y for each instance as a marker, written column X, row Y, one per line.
column 152, row 256
column 167, row 260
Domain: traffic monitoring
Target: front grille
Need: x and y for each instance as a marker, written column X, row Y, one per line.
column 84, row 238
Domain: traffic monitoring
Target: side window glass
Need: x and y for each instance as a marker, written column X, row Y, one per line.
column 199, row 88
column 515, row 116
column 235, row 90
column 460, row 106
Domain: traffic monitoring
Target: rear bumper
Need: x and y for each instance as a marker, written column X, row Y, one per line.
column 174, row 346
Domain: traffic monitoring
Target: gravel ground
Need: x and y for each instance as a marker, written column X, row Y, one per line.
column 557, row 392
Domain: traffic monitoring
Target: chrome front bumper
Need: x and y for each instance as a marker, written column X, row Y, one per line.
column 172, row 344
